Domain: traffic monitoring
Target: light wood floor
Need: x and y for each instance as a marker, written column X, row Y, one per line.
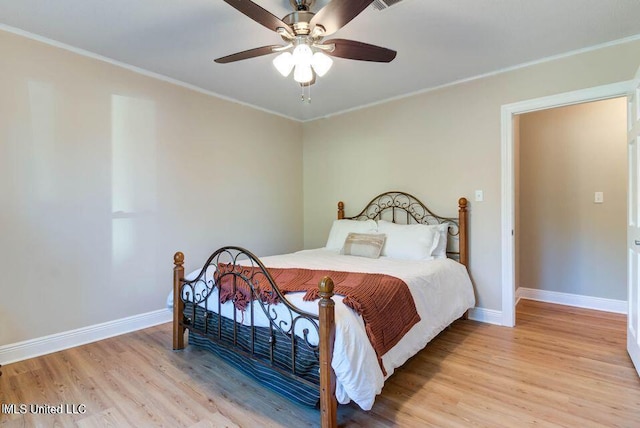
column 560, row 366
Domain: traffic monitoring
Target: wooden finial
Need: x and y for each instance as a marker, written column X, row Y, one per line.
column 327, row 333
column 178, row 259
column 340, row 210
column 178, row 303
column 326, row 287
column 462, row 235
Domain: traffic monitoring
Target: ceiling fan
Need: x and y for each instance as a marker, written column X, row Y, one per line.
column 303, row 31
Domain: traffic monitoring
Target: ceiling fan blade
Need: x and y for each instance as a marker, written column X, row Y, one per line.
column 251, row 53
column 338, row 13
column 351, row 49
column 258, row 14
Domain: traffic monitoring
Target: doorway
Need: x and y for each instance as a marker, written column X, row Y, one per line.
column 508, row 175
column 571, row 205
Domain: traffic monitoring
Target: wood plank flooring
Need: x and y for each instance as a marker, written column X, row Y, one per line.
column 560, row 366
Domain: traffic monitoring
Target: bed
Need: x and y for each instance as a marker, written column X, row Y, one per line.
column 315, row 346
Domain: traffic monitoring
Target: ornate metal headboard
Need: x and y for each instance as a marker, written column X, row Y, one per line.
column 401, row 207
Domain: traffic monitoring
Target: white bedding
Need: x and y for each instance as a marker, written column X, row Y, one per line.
column 442, row 292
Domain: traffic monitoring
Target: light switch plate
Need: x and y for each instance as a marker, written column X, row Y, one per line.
column 598, row 197
column 479, row 196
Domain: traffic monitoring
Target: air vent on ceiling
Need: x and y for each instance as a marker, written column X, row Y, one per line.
column 383, row 4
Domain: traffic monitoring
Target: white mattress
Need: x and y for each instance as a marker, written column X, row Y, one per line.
column 442, row 292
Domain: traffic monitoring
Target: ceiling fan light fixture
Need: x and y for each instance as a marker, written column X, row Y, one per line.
column 284, row 63
column 303, row 73
column 302, row 54
column 321, row 63
column 303, row 32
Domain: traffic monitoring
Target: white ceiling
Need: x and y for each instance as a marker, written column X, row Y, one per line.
column 438, row 42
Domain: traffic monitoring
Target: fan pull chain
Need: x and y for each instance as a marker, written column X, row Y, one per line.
column 306, row 99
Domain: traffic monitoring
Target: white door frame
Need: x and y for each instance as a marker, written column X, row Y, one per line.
column 613, row 90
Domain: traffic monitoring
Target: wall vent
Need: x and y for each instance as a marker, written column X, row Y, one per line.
column 383, row 4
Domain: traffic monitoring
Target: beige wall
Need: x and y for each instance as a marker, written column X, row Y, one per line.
column 105, row 173
column 440, row 145
column 567, row 242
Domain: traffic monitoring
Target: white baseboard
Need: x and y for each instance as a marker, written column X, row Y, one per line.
column 490, row 316
column 69, row 339
column 588, row 302
column 57, row 342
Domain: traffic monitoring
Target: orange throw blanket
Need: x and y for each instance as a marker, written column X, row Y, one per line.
column 383, row 301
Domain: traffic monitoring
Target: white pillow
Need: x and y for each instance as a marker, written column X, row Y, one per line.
column 342, row 228
column 441, row 249
column 409, row 241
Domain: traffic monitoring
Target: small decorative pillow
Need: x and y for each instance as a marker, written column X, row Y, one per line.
column 364, row 245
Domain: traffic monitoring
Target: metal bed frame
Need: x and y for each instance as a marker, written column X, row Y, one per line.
column 246, row 343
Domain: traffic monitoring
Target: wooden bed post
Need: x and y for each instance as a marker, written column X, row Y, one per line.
column 328, row 402
column 340, row 210
column 462, row 224
column 178, row 304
